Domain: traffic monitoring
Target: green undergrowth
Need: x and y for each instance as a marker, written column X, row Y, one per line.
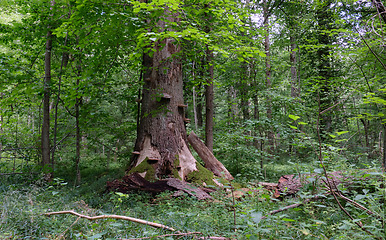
column 23, row 201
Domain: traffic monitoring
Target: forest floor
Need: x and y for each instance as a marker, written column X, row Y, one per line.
column 25, row 199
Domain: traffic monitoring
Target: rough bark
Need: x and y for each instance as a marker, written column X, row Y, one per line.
column 207, row 156
column 161, row 146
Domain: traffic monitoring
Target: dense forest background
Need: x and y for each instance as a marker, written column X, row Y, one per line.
column 274, row 87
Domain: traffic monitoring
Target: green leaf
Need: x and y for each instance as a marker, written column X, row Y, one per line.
column 342, row 132
column 293, row 117
column 288, row 220
column 293, row 127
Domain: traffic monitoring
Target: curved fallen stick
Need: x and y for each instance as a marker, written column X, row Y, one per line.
column 153, row 224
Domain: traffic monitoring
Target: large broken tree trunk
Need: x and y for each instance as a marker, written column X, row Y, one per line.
column 161, row 149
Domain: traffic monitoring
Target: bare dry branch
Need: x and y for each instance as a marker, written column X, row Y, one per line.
column 157, row 225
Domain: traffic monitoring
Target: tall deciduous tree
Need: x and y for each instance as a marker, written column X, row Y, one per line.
column 268, row 73
column 161, row 147
column 324, row 65
column 45, row 138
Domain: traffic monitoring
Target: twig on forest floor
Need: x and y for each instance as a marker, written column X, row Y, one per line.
column 360, row 207
column 157, row 225
column 62, row 234
column 166, row 235
column 290, row 206
column 179, row 234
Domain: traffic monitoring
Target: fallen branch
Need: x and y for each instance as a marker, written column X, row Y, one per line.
column 166, row 235
column 290, row 206
column 179, row 234
column 360, row 207
column 157, row 225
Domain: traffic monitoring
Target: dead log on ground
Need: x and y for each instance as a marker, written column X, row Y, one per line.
column 207, row 156
column 135, row 181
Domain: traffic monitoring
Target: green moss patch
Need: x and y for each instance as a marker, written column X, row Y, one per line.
column 144, row 166
column 202, row 175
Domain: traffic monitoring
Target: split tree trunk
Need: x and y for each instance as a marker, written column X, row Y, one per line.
column 161, row 147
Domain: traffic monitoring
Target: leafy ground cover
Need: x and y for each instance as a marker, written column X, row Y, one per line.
column 24, row 200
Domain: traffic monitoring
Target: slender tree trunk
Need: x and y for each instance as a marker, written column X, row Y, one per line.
column 232, row 107
column 195, row 109
column 200, row 118
column 194, row 98
column 65, row 57
column 45, row 138
column 78, row 102
column 244, row 86
column 294, row 76
column 209, row 106
column 268, row 75
column 366, row 129
column 294, row 72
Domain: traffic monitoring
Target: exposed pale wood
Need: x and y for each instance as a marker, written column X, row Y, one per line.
column 136, row 153
column 182, row 105
column 157, row 225
column 207, row 156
